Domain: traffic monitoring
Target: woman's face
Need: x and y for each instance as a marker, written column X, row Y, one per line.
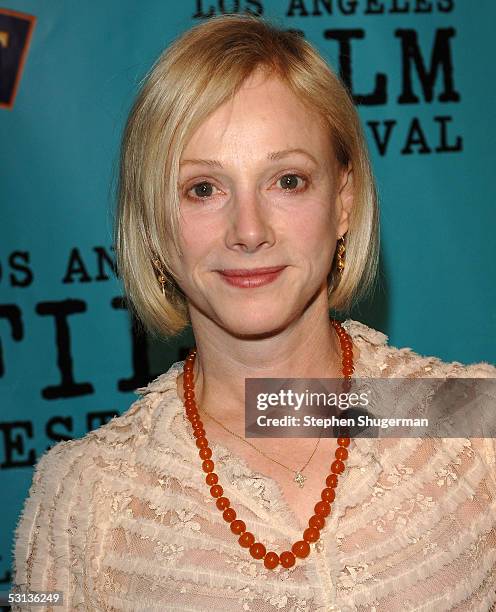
column 259, row 188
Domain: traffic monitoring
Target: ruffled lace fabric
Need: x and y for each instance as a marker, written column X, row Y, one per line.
column 122, row 519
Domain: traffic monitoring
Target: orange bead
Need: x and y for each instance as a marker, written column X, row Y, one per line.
column 311, row 534
column 238, row 527
column 211, row 479
column 287, row 559
column 205, row 453
column 316, row 521
column 202, row 442
column 229, row 515
column 246, row 539
column 271, row 560
column 208, row 464
column 341, row 453
column 328, row 495
column 257, row 550
column 301, row 549
column 222, row 503
column 322, row 508
column 216, row 490
column 332, row 480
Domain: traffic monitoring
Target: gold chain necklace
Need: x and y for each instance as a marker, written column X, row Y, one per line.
column 298, row 478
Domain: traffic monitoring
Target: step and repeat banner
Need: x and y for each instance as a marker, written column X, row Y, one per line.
column 422, row 77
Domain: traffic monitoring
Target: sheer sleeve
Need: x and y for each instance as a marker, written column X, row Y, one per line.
column 47, row 554
column 75, row 495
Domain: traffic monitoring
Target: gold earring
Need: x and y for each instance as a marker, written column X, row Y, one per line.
column 340, row 256
column 160, row 274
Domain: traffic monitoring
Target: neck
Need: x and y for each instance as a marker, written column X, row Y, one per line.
column 307, row 348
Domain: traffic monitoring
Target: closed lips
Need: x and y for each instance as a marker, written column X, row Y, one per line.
column 251, row 272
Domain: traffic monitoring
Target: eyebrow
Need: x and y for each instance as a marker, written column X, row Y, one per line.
column 273, row 156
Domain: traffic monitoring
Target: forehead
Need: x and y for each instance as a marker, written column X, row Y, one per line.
column 263, row 115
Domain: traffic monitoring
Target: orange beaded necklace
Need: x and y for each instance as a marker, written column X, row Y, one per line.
column 301, row 548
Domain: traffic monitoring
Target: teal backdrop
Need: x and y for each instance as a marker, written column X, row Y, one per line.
column 422, row 74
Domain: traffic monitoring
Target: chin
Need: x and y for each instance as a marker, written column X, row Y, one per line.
column 260, row 323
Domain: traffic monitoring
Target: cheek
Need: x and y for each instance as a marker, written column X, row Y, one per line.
column 313, row 227
column 198, row 234
column 312, row 239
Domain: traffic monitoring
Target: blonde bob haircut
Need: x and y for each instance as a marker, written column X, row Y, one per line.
column 197, row 73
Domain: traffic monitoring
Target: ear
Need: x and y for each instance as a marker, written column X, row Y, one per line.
column 344, row 200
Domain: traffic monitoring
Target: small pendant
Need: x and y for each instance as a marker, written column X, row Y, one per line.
column 319, row 546
column 300, row 479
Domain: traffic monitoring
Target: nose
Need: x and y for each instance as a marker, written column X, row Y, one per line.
column 249, row 227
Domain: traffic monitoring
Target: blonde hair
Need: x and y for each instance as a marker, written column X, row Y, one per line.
column 201, row 70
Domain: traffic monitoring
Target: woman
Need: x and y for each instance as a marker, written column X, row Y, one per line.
column 247, row 207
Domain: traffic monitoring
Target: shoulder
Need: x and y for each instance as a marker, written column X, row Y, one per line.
column 134, row 428
column 383, row 360
column 129, row 431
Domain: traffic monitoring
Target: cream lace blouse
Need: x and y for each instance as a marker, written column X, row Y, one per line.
column 122, row 518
